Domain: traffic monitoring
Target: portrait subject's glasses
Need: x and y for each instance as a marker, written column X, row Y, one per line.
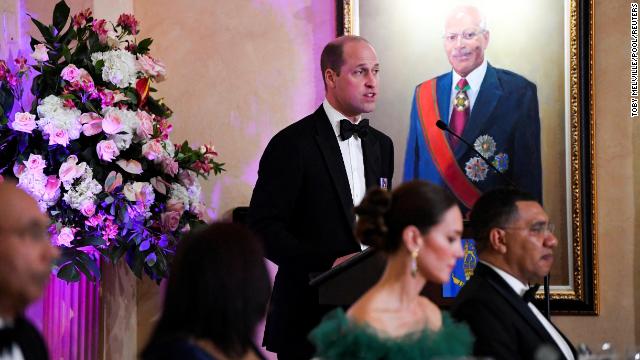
column 466, row 35
column 540, row 229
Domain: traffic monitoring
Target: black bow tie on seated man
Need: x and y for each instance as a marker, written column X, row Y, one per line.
column 7, row 338
column 347, row 129
column 530, row 294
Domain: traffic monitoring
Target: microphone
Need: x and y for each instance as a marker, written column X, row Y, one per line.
column 442, row 126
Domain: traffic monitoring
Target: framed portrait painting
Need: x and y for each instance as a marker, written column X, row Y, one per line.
column 547, row 42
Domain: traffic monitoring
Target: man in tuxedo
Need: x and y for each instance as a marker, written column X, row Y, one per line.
column 311, row 175
column 515, row 243
column 26, row 256
column 495, row 110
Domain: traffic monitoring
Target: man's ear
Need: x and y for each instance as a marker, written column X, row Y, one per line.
column 330, row 78
column 498, row 240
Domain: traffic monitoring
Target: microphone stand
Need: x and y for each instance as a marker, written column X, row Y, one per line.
column 444, row 127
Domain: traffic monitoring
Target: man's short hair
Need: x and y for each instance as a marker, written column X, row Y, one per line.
column 496, row 208
column 331, row 57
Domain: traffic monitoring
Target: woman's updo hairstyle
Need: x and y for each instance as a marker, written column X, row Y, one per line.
column 383, row 215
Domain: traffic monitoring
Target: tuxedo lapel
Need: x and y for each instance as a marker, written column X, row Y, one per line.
column 371, row 159
column 443, row 94
column 515, row 301
column 490, row 92
column 328, row 144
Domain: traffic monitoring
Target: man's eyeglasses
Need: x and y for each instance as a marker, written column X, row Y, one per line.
column 466, row 35
column 540, row 229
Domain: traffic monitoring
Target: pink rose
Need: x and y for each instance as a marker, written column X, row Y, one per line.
column 199, row 210
column 24, row 122
column 169, row 221
column 169, row 166
column 65, row 237
column 152, row 67
column 70, row 73
column 88, row 208
column 174, row 205
column 112, row 123
column 35, row 163
column 145, row 129
column 187, row 178
column 107, row 150
column 152, row 150
column 59, row 136
column 40, row 53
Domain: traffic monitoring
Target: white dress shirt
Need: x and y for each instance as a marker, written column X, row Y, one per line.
column 15, row 353
column 519, row 287
column 474, row 79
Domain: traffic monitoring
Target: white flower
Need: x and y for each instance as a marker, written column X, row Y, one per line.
column 119, row 67
column 55, row 118
column 180, row 194
column 84, row 192
column 40, row 53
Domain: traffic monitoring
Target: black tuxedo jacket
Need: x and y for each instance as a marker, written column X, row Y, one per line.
column 503, row 324
column 303, row 210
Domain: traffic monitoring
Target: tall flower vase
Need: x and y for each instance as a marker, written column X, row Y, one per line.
column 71, row 319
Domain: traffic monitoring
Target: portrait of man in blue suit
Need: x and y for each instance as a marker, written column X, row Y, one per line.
column 495, row 110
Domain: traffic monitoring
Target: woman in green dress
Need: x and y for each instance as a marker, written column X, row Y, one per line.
column 418, row 226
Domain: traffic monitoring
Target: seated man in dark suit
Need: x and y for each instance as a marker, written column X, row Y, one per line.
column 26, row 255
column 515, row 243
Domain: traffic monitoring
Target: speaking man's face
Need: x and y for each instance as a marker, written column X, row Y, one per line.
column 465, row 42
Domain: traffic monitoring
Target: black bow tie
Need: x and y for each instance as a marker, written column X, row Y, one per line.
column 7, row 338
column 530, row 294
column 347, row 129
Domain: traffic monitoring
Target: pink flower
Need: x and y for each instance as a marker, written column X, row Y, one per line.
column 95, row 220
column 91, row 123
column 69, row 170
column 128, row 22
column 4, row 70
column 169, row 166
column 88, row 208
column 51, row 188
column 57, row 136
column 107, row 150
column 21, row 63
column 112, row 123
column 199, row 210
column 35, row 163
column 70, row 73
column 110, row 230
column 85, row 82
column 80, row 19
column 152, row 149
column 68, row 103
column 65, row 236
column 174, row 205
column 145, row 128
column 24, row 122
column 40, row 53
column 100, row 27
column 187, row 178
column 152, row 67
column 165, row 128
column 169, row 221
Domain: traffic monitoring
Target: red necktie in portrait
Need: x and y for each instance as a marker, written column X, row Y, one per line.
column 460, row 113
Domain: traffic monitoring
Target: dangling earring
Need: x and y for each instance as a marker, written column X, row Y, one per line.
column 414, row 263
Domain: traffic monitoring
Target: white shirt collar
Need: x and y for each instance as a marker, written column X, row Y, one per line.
column 335, row 116
column 474, row 78
column 518, row 286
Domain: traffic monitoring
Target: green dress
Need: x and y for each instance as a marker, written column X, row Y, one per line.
column 337, row 337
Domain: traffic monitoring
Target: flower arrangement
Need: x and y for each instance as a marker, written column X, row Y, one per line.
column 94, row 147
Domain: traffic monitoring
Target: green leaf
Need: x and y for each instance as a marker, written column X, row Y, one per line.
column 143, row 46
column 92, row 240
column 44, row 30
column 99, row 65
column 60, row 15
column 69, row 273
column 88, row 266
column 66, row 53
